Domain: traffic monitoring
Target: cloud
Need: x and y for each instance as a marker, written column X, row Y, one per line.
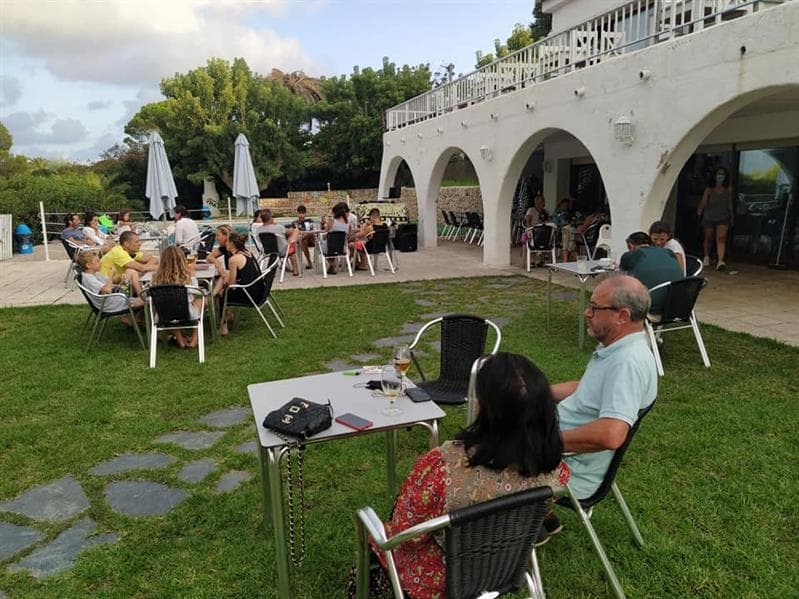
column 145, row 95
column 98, row 104
column 10, row 90
column 141, row 42
column 41, row 127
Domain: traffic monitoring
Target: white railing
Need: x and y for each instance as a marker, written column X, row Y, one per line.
column 628, row 27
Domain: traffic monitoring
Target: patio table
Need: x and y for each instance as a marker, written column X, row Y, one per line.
column 344, row 397
column 592, row 269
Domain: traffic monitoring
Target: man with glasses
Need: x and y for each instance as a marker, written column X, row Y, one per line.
column 597, row 411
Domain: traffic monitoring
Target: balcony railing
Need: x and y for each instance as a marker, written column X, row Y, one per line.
column 626, row 28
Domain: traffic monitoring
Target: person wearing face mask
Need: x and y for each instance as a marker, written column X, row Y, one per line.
column 715, row 208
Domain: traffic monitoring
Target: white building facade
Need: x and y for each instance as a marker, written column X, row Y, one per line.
column 633, row 107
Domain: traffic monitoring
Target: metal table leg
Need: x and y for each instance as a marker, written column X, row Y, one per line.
column 581, row 320
column 549, row 297
column 263, row 459
column 275, row 490
column 391, row 463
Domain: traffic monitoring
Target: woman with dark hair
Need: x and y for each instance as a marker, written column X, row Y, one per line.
column 242, row 270
column 125, row 222
column 340, row 222
column 715, row 208
column 513, row 444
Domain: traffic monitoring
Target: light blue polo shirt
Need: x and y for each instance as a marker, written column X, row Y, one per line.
column 620, row 380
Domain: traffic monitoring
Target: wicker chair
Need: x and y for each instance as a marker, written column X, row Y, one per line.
column 584, row 507
column 171, row 304
column 489, row 546
column 253, row 290
column 269, row 245
column 377, row 245
column 463, row 340
column 98, row 315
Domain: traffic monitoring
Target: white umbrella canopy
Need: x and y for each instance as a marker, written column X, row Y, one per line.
column 245, row 187
column 160, row 190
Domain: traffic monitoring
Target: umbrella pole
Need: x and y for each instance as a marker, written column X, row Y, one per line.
column 229, row 217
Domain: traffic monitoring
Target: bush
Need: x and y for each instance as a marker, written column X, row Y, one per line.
column 61, row 192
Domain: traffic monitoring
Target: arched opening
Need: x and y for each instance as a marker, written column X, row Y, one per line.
column 755, row 137
column 555, row 165
column 399, row 192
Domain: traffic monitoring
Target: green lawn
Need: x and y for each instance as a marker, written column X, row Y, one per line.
column 712, row 477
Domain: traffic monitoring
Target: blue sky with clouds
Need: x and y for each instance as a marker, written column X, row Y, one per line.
column 73, row 73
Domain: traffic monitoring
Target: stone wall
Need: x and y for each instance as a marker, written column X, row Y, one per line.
column 456, row 199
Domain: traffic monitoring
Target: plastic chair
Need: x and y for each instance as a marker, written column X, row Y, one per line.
column 99, row 316
column 258, row 293
column 541, row 238
column 463, row 340
column 170, row 303
column 489, row 547
column 337, row 247
column 678, row 309
column 377, row 245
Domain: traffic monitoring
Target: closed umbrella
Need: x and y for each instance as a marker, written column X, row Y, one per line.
column 160, row 188
column 245, row 187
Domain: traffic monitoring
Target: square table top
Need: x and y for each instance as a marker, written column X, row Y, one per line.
column 343, row 396
column 592, row 268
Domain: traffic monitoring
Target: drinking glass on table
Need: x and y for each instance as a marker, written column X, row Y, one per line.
column 391, row 384
column 402, row 361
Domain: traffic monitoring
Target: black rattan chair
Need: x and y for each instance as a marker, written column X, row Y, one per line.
column 463, row 340
column 693, row 266
column 378, row 244
column 677, row 313
column 99, row 314
column 448, row 226
column 589, row 239
column 269, row 245
column 257, row 294
column 170, row 303
column 336, row 247
column 541, row 238
column 489, row 546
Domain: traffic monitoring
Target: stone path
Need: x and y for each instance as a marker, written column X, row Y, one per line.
column 63, row 502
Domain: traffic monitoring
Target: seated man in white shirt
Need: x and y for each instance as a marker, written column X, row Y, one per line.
column 286, row 242
column 660, row 234
column 187, row 235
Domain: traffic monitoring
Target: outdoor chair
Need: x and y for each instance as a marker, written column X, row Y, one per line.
column 541, row 239
column 584, row 507
column 98, row 316
column 457, row 225
column 268, row 244
column 589, row 240
column 678, row 313
column 475, row 223
column 693, row 266
column 463, row 340
column 168, row 310
column 260, row 288
column 604, row 239
column 489, row 547
column 73, row 251
column 448, row 226
column 378, row 244
column 336, row 247
column 207, row 241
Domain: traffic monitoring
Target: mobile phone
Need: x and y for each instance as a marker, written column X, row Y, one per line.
column 354, row 422
column 417, row 394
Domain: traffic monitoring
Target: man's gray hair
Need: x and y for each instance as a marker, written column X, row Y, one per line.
column 628, row 292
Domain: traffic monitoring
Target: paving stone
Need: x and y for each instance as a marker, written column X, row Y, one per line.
column 392, row 341
column 424, row 303
column 230, row 481
column 250, row 447
column 337, row 365
column 133, row 461
column 195, row 472
column 14, row 539
column 411, row 327
column 432, row 315
column 51, row 502
column 191, row 440
column 142, row 497
column 227, row 417
column 61, row 553
column 364, row 357
column 3, row 595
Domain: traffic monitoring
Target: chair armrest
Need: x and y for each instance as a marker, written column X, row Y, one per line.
column 375, row 529
column 422, row 330
column 660, row 286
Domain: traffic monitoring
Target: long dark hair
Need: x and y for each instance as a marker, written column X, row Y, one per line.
column 238, row 240
column 517, row 423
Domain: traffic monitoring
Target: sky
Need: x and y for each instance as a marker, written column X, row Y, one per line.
column 73, row 72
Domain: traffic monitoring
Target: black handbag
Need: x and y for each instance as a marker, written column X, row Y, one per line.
column 300, row 418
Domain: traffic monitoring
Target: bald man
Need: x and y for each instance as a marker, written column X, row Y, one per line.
column 597, row 411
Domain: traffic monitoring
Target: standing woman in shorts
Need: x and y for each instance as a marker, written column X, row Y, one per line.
column 716, row 212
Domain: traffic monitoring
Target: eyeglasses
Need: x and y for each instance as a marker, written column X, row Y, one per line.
column 594, row 308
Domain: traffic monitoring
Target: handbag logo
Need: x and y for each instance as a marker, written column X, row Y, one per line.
column 287, row 419
column 294, row 409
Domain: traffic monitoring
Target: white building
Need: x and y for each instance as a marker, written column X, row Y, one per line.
column 633, row 107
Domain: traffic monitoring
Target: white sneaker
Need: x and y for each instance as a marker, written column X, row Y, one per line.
column 706, row 261
column 721, row 265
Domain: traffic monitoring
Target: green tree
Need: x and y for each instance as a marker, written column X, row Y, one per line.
column 349, row 145
column 125, row 166
column 521, row 36
column 9, row 164
column 205, row 110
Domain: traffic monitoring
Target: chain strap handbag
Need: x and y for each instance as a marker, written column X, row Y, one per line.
column 294, row 422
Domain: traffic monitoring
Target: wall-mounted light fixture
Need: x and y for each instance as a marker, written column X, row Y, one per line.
column 494, row 116
column 579, row 92
column 486, row 153
column 402, row 140
column 464, row 124
column 439, row 130
column 644, row 74
column 419, row 135
column 624, row 130
column 530, row 106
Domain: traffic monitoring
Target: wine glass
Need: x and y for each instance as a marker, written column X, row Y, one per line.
column 391, row 384
column 402, row 362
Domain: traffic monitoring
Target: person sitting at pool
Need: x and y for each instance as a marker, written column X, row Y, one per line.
column 124, row 222
column 286, row 241
column 174, row 270
column 514, row 444
column 96, row 282
column 91, row 229
column 364, row 234
column 242, row 270
column 125, row 258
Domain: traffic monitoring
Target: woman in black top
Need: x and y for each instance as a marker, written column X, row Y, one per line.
column 242, row 270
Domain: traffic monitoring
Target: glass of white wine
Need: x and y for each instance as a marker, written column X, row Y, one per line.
column 391, row 384
column 402, row 362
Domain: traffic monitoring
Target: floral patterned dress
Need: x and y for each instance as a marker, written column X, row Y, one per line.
column 442, row 481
